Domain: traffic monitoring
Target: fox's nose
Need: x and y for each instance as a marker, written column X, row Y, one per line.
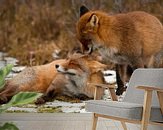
column 56, row 66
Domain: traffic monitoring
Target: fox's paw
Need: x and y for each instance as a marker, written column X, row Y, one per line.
column 120, row 91
column 3, row 100
column 40, row 101
column 82, row 97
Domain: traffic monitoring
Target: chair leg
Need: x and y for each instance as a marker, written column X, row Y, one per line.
column 94, row 123
column 146, row 110
column 95, row 93
column 124, row 125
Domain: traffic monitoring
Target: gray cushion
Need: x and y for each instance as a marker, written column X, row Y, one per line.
column 121, row 109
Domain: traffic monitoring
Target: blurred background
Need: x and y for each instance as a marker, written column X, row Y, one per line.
column 39, row 31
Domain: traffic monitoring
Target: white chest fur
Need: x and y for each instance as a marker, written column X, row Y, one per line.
column 111, row 54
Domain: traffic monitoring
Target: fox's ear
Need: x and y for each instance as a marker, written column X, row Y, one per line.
column 97, row 66
column 94, row 20
column 83, row 10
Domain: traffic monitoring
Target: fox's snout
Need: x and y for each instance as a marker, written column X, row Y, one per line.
column 64, row 70
column 59, row 68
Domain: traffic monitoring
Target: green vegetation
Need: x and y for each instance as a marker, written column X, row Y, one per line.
column 3, row 73
column 20, row 99
column 8, row 126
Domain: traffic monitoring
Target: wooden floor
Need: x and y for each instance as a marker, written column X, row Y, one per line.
column 62, row 121
column 59, row 121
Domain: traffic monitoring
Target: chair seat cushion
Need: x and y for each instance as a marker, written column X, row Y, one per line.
column 125, row 110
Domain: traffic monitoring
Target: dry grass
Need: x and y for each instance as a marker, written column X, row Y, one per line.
column 38, row 53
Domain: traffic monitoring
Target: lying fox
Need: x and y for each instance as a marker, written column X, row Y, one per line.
column 51, row 80
column 133, row 38
column 74, row 75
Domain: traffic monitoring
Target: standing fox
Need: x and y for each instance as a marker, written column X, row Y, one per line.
column 61, row 77
column 133, row 39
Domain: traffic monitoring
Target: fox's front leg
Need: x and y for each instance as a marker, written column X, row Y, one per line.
column 82, row 96
column 123, row 72
column 48, row 96
column 120, row 78
column 55, row 88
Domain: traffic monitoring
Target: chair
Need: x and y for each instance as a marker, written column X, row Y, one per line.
column 138, row 106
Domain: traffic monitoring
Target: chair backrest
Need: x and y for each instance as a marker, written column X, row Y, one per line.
column 151, row 77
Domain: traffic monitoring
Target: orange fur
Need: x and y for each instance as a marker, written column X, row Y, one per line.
column 40, row 79
column 36, row 78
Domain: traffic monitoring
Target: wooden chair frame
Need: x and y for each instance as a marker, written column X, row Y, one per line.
column 146, row 106
column 110, row 87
